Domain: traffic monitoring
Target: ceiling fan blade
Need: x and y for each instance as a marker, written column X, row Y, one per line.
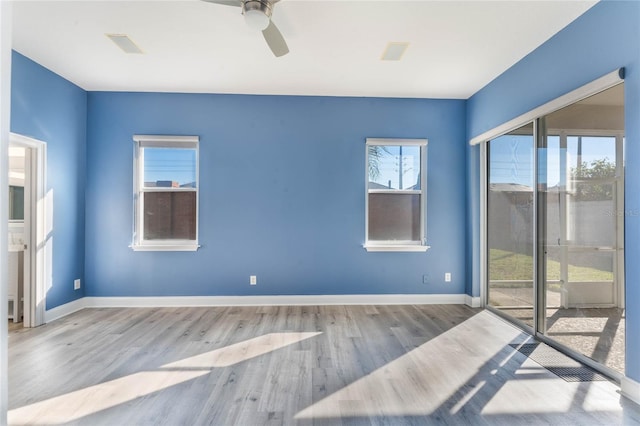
column 275, row 40
column 236, row 3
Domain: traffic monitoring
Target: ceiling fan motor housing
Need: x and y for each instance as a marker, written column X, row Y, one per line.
column 257, row 13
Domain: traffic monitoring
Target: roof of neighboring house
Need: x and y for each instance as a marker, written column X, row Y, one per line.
column 509, row 187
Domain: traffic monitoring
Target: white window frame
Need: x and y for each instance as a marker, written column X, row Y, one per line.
column 398, row 245
column 160, row 141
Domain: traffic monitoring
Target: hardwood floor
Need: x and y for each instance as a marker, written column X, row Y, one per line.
column 14, row 326
column 320, row 365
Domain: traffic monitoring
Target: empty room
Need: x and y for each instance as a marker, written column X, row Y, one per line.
column 275, row 212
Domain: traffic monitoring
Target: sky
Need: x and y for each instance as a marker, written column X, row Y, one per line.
column 392, row 171
column 511, row 157
column 170, row 164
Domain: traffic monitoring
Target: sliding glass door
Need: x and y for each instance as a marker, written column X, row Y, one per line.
column 581, row 205
column 510, row 224
column 555, row 228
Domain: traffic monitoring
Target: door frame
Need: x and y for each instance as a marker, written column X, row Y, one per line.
column 37, row 223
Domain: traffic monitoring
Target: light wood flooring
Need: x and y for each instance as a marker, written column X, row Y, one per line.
column 320, row 365
column 14, row 326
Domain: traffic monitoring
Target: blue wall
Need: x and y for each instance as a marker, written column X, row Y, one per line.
column 603, row 39
column 282, row 183
column 47, row 107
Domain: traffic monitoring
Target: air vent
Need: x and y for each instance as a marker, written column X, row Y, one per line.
column 125, row 43
column 394, row 51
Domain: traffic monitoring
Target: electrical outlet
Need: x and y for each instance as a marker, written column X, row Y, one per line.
column 425, row 279
column 76, row 284
column 253, row 280
column 447, row 277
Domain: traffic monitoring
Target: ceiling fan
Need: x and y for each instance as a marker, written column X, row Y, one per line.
column 257, row 14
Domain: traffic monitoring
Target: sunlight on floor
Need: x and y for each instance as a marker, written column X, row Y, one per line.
column 242, row 351
column 579, row 325
column 538, row 398
column 422, row 380
column 74, row 405
column 491, row 380
column 83, row 402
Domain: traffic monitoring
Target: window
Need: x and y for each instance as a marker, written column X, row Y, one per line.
column 396, row 193
column 165, row 193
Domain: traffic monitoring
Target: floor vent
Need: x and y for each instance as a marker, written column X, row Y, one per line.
column 558, row 363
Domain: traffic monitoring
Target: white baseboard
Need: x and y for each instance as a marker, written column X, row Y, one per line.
column 630, row 389
column 296, row 300
column 473, row 302
column 64, row 310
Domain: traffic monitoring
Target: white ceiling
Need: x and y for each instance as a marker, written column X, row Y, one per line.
column 614, row 96
column 456, row 47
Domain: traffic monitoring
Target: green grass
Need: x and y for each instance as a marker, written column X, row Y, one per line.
column 505, row 265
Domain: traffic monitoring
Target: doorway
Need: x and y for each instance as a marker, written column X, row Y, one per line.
column 17, row 267
column 555, row 228
column 29, row 251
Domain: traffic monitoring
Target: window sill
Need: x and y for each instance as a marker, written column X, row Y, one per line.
column 165, row 247
column 391, row 247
